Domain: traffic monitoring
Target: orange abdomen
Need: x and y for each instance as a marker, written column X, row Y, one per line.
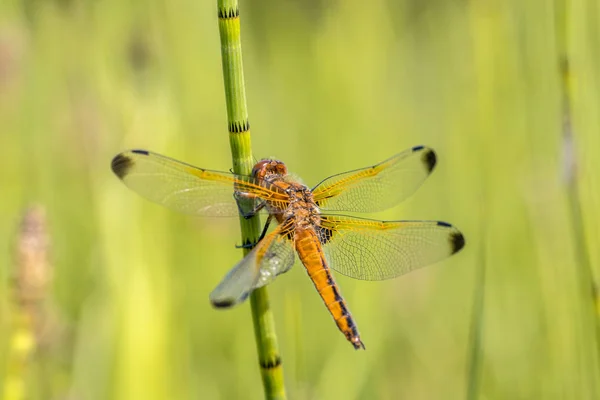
column 311, row 254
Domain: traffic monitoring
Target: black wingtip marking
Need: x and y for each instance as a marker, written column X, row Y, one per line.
column 457, row 241
column 270, row 364
column 429, row 159
column 417, row 148
column 227, row 303
column 223, row 303
column 442, row 223
column 142, row 152
column 120, row 165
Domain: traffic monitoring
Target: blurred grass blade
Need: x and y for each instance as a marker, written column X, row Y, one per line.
column 477, row 314
column 31, row 279
column 587, row 285
column 241, row 151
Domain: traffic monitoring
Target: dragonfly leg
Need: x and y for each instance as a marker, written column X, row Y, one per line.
column 262, row 235
column 241, row 196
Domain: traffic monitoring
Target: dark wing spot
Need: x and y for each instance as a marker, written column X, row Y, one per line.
column 417, row 148
column 223, row 304
column 227, row 303
column 429, row 159
column 445, row 224
column 142, row 152
column 121, row 165
column 325, row 235
column 457, row 241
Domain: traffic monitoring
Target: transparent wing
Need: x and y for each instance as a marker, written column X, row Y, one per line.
column 189, row 189
column 272, row 256
column 378, row 187
column 376, row 250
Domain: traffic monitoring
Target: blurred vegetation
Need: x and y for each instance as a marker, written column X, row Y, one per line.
column 331, row 86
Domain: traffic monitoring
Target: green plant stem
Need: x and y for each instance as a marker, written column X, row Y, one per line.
column 590, row 324
column 477, row 316
column 586, row 274
column 241, row 152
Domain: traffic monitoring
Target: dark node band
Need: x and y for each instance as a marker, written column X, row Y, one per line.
column 270, row 364
column 225, row 13
column 239, row 127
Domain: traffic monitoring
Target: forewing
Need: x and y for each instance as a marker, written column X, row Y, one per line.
column 378, row 187
column 376, row 250
column 272, row 256
column 186, row 188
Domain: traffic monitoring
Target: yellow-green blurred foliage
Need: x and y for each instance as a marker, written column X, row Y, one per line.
column 332, row 86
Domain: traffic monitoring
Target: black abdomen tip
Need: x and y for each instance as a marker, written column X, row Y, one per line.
column 120, row 165
column 357, row 343
column 457, row 242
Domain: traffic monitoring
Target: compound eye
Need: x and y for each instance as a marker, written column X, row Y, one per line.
column 281, row 169
column 260, row 168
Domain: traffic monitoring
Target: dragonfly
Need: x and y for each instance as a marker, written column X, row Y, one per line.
column 311, row 223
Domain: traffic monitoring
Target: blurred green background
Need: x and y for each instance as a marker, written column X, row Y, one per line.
column 331, row 86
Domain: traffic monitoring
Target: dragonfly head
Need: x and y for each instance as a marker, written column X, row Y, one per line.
column 267, row 167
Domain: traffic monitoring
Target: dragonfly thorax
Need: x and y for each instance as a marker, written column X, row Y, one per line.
column 302, row 207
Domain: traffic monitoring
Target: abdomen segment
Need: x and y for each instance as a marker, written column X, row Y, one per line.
column 311, row 254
